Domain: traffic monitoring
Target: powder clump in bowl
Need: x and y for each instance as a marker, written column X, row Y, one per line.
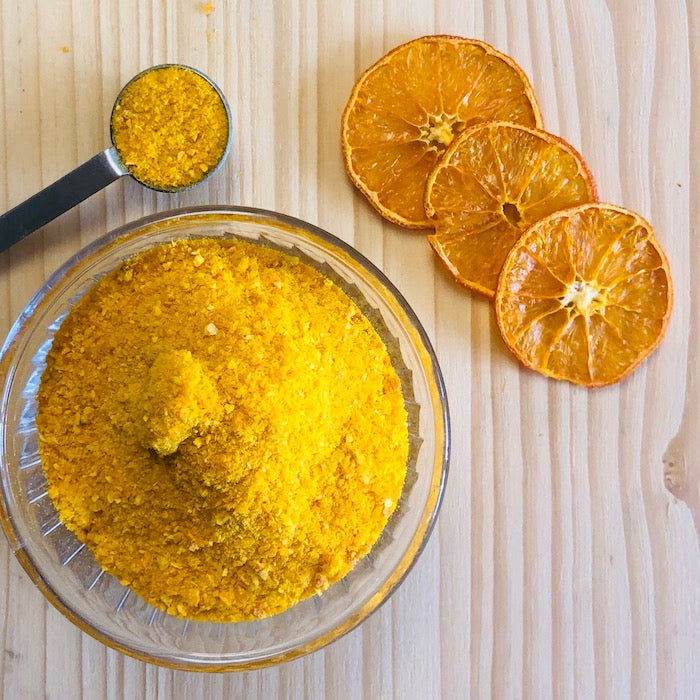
column 223, row 427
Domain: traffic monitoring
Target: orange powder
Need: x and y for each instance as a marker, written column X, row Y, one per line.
column 170, row 127
column 223, row 427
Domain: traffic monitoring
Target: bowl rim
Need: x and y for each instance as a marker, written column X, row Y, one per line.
column 420, row 537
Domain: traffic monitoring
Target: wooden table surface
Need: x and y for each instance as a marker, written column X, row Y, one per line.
column 566, row 561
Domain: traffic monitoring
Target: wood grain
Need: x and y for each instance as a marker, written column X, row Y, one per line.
column 566, row 561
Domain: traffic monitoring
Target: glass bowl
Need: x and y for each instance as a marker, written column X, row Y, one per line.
column 65, row 570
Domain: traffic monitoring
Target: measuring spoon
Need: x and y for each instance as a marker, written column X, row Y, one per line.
column 92, row 176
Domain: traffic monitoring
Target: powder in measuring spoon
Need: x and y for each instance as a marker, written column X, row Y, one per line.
column 170, row 127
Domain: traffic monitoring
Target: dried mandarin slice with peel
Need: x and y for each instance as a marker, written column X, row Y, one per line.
column 492, row 183
column 406, row 109
column 585, row 294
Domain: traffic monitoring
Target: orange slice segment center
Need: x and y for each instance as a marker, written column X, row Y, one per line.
column 511, row 213
column 439, row 131
column 585, row 297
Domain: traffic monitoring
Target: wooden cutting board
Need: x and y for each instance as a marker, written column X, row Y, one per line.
column 566, row 561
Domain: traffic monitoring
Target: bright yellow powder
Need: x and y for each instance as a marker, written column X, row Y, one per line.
column 223, row 427
column 170, row 127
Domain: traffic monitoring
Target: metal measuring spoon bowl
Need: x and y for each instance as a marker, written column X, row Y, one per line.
column 109, row 165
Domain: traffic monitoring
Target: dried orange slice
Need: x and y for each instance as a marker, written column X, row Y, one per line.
column 492, row 183
column 405, row 110
column 585, row 294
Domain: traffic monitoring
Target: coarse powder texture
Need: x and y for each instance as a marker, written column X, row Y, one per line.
column 170, row 127
column 223, row 427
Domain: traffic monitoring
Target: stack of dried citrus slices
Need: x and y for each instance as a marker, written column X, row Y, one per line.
column 445, row 133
